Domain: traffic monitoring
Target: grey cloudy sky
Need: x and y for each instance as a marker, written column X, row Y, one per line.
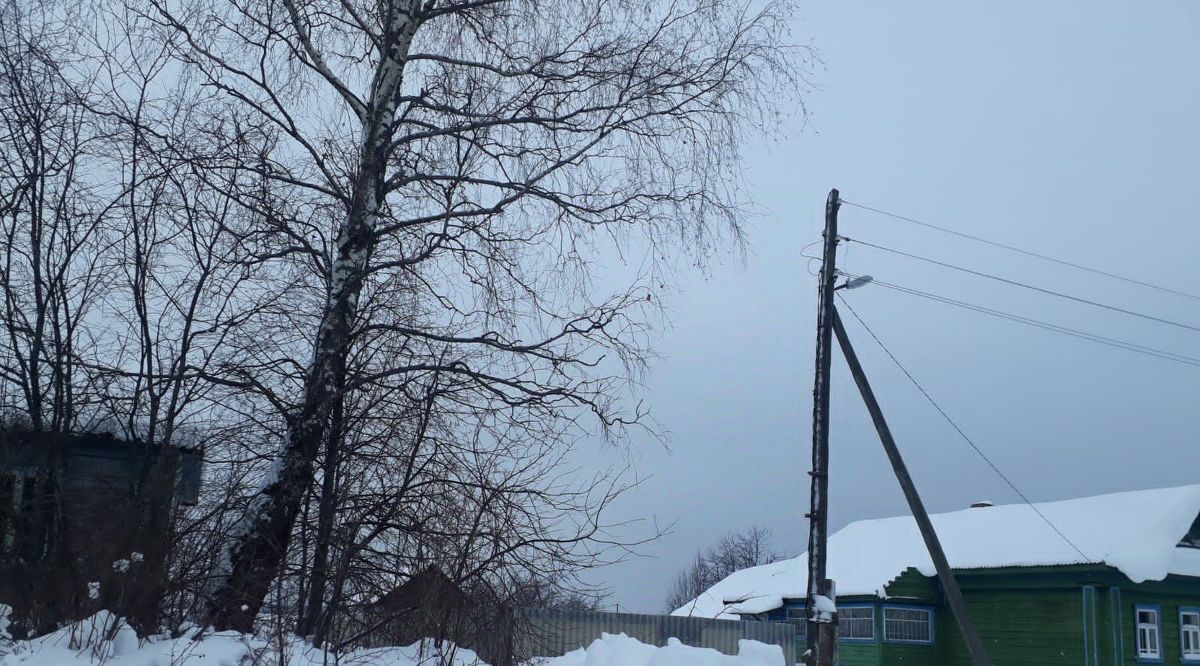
column 1069, row 128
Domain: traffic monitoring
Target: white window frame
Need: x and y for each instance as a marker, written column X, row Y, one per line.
column 1147, row 635
column 889, row 638
column 846, row 622
column 1189, row 634
column 798, row 617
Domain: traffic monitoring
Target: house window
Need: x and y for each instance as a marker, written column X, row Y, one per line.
column 856, row 623
column 905, row 624
column 1149, row 639
column 1189, row 634
column 798, row 616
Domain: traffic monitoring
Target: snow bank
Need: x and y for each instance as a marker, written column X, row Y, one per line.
column 867, row 555
column 621, row 650
column 104, row 639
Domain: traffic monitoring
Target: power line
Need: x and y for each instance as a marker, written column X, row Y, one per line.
column 1016, row 283
column 962, row 434
column 1037, row 323
column 1028, row 253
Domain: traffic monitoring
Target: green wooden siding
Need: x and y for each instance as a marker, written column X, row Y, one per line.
column 1019, row 628
column 912, row 585
column 859, row 654
column 909, row 655
column 1048, row 616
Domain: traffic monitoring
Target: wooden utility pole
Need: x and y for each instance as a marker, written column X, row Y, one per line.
column 954, row 597
column 821, row 636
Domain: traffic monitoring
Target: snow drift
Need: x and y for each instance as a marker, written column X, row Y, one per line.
column 105, row 639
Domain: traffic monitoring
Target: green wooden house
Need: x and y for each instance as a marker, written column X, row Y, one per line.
column 1097, row 581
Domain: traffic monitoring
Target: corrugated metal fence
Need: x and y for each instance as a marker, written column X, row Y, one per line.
column 543, row 633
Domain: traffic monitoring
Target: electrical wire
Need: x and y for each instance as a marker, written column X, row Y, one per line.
column 1016, row 283
column 1028, row 253
column 1037, row 323
column 811, row 258
column 963, row 434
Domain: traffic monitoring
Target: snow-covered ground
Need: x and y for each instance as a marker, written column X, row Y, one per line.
column 103, row 639
column 622, row 650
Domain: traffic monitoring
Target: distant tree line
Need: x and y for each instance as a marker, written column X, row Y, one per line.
column 733, row 552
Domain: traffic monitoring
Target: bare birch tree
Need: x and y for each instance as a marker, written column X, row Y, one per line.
column 476, row 154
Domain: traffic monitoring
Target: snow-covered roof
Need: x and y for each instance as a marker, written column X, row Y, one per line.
column 1135, row 532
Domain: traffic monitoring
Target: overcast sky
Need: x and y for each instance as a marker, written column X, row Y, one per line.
column 1069, row 128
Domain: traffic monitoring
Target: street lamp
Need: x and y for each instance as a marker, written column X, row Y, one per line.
column 855, row 282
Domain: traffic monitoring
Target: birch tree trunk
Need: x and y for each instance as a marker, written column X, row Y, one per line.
column 257, row 548
column 314, row 606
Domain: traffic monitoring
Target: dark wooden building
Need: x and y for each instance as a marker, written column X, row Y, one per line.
column 85, row 522
column 431, row 605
